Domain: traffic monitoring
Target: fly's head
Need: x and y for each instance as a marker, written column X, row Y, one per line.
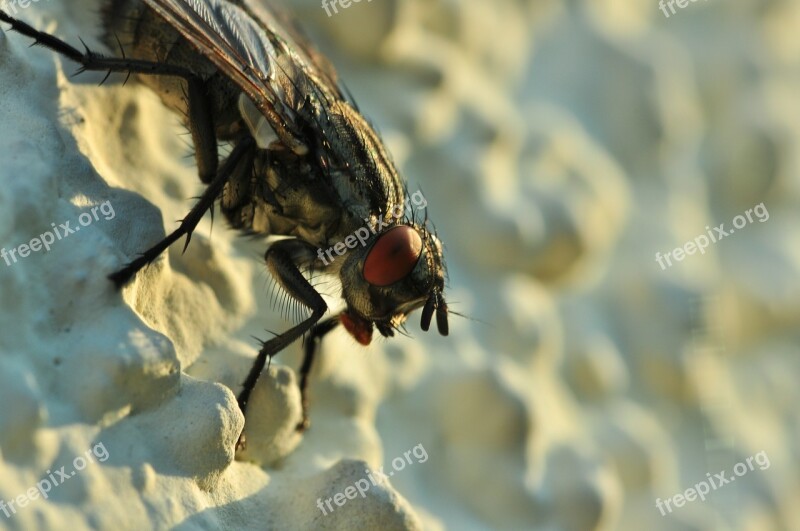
column 399, row 270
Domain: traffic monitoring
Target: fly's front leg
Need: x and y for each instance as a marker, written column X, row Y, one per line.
column 201, row 124
column 282, row 261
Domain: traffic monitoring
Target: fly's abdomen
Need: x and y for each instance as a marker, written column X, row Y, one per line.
column 135, row 27
column 146, row 36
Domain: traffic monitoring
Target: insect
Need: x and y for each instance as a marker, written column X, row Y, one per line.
column 303, row 163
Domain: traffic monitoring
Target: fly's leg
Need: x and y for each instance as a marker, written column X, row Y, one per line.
column 189, row 223
column 313, row 341
column 281, row 259
column 200, row 122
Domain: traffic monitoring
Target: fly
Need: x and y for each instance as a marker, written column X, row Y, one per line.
column 304, row 162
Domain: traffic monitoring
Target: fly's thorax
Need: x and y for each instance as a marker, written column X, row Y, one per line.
column 359, row 166
column 323, row 193
column 284, row 195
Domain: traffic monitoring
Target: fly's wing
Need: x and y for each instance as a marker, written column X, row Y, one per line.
column 247, row 44
column 295, row 89
column 282, row 22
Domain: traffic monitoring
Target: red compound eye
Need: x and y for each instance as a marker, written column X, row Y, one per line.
column 393, row 256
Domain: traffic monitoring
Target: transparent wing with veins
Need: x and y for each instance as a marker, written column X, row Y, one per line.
column 247, row 42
